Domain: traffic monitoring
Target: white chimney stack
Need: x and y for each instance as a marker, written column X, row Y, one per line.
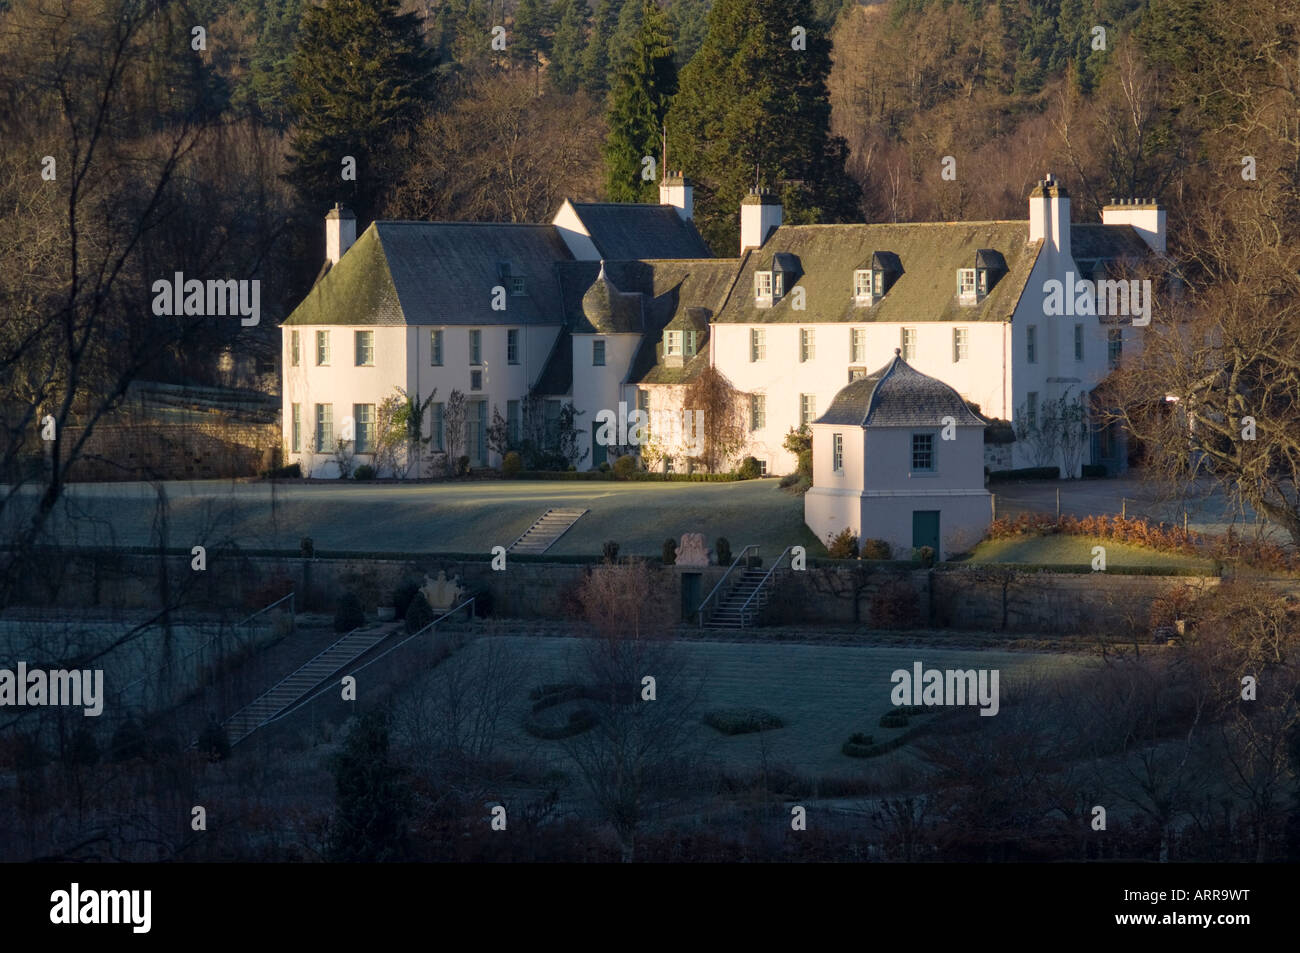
column 340, row 232
column 1146, row 217
column 760, row 213
column 1049, row 216
column 676, row 190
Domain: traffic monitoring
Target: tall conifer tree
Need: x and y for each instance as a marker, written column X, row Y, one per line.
column 643, row 90
column 753, row 106
column 361, row 74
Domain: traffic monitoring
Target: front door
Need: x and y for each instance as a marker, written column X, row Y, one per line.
column 925, row 530
column 597, row 449
column 476, row 433
column 691, row 586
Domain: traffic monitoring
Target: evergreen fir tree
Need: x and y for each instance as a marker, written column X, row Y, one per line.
column 643, row 90
column 529, row 38
column 569, row 43
column 752, row 105
column 361, row 74
column 595, row 59
column 372, row 799
column 690, row 23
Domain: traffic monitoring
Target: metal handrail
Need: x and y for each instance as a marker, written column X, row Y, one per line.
column 332, row 646
column 761, row 583
column 293, row 609
column 700, row 610
column 121, row 692
column 328, row 688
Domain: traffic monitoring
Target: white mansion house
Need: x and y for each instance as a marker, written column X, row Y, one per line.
column 615, row 304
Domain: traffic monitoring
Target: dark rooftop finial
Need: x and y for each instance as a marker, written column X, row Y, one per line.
column 898, row 352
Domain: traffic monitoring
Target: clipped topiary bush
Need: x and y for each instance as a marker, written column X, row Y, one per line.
column 843, row 546
column 462, row 465
column 625, row 466
column 670, row 552
column 858, row 745
column 926, row 555
column 213, row 743
column 418, row 613
column 609, row 550
column 511, row 464
column 876, row 549
column 349, row 615
column 403, row 595
column 722, row 549
column 292, row 472
column 742, row 721
column 364, row 472
column 749, row 469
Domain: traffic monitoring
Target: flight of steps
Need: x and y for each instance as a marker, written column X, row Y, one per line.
column 539, row 537
column 291, row 689
column 728, row 615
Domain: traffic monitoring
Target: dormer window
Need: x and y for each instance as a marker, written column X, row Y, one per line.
column 517, row 285
column 763, row 287
column 875, row 276
column 778, row 284
column 673, row 344
column 862, row 285
column 966, row 285
column 973, row 284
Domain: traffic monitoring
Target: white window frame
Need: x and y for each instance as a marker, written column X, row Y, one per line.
column 597, row 352
column 757, row 412
column 862, row 285
column 858, row 345
column 512, row 345
column 435, row 348
column 475, row 347
column 672, row 344
column 932, row 451
column 322, row 349
column 363, row 418
column 960, row 344
column 807, row 345
column 966, row 284
column 295, row 348
column 364, row 346
column 1078, row 343
column 763, row 285
column 807, row 409
column 837, row 452
column 324, row 428
column 295, row 432
column 1031, row 344
column 907, row 343
column 1031, row 408
column 757, row 345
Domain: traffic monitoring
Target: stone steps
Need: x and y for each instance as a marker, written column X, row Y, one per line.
column 542, row 535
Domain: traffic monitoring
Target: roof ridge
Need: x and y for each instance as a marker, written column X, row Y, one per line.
column 411, row 221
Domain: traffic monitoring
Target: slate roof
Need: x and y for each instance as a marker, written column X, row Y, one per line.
column 432, row 273
column 929, row 252
column 606, row 309
column 1106, row 242
column 623, row 231
column 898, row 395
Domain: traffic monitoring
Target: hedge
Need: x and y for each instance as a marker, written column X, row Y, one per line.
column 742, row 721
column 639, row 475
column 1084, row 568
column 1092, row 470
column 1026, row 473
